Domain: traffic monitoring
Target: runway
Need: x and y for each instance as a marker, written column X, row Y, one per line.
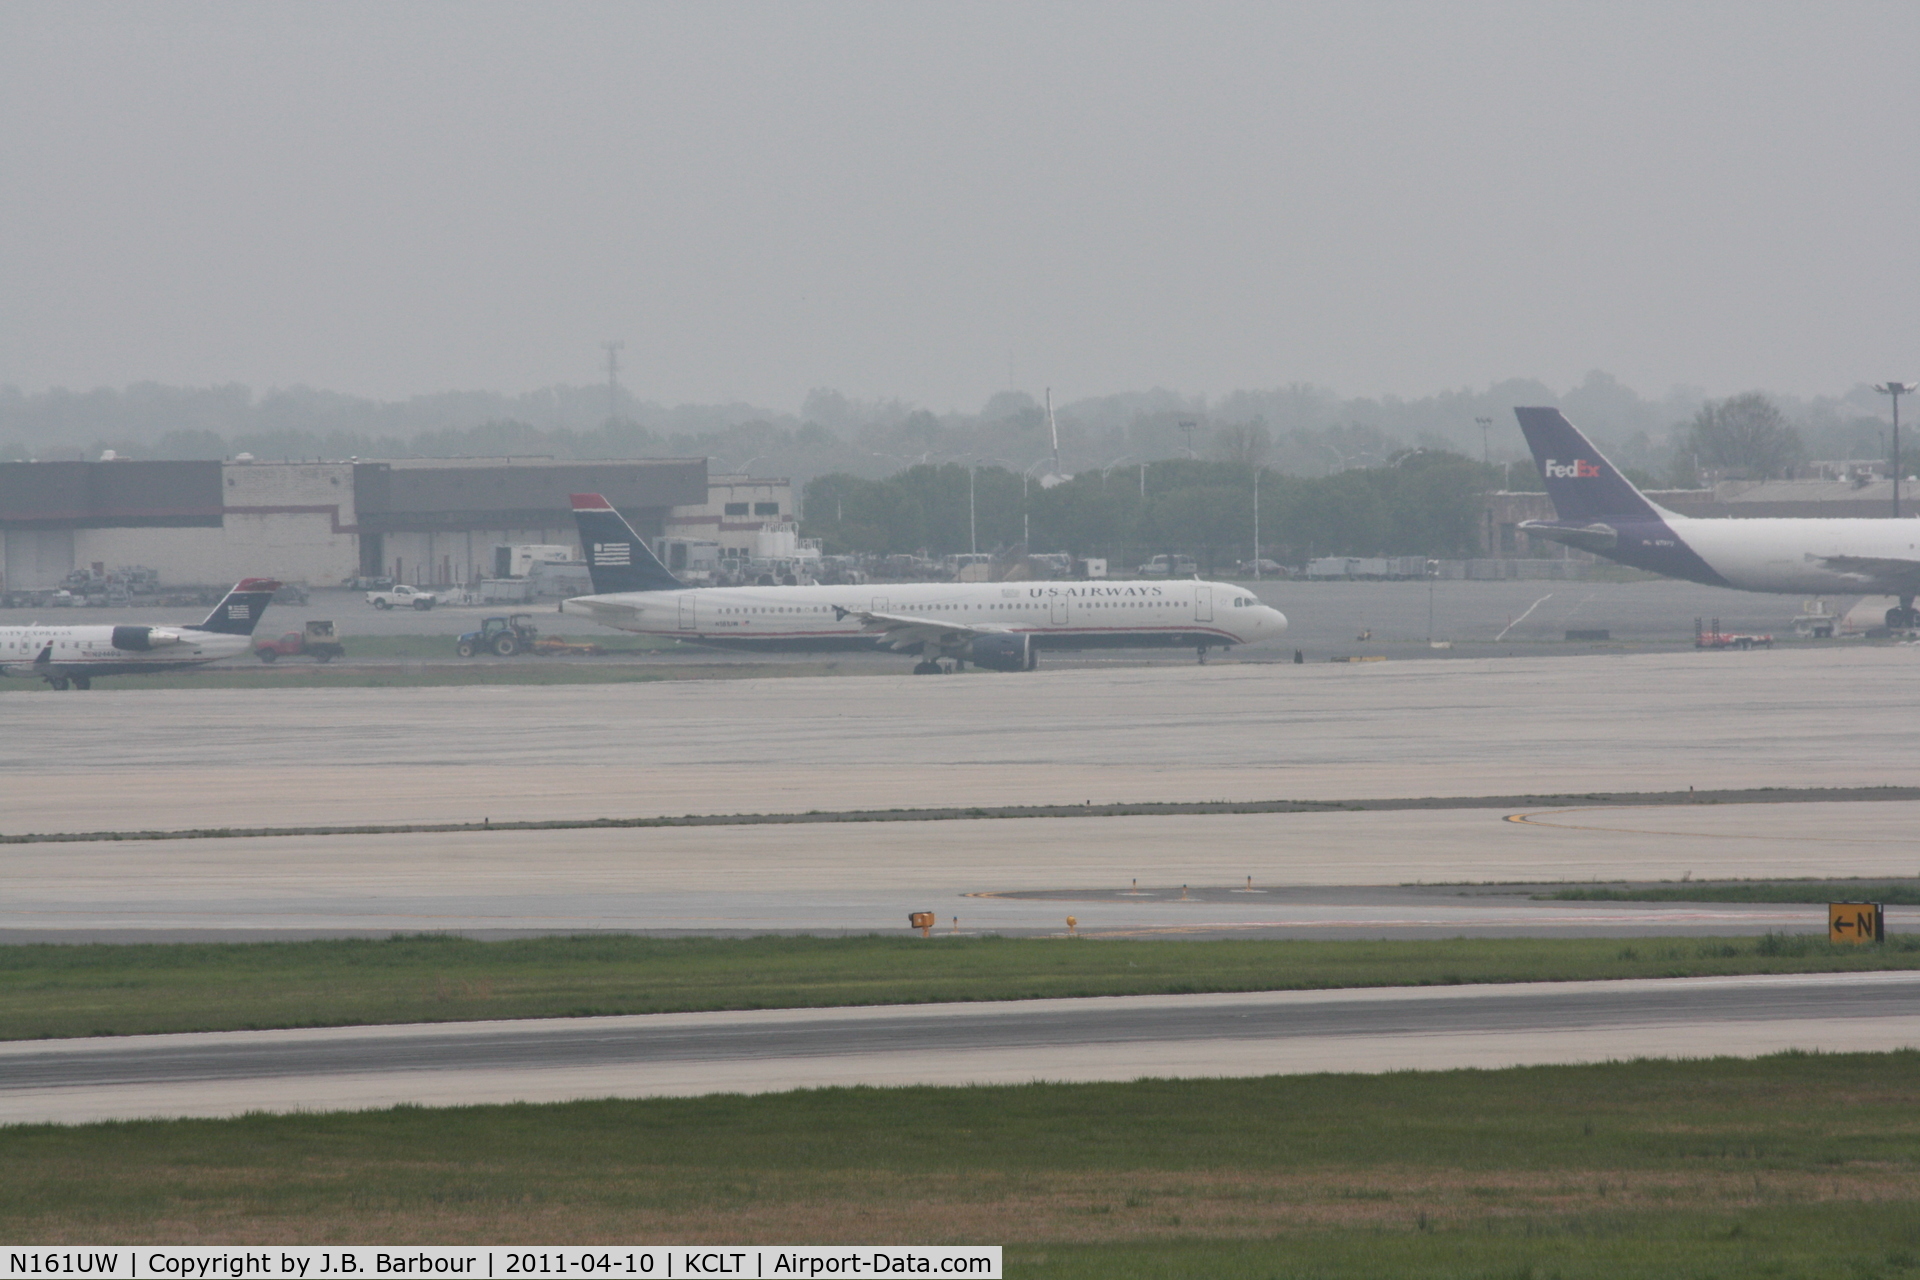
column 168, row 759
column 1393, row 873
column 1117, row 1038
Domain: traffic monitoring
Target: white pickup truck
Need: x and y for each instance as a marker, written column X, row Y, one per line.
column 400, row 597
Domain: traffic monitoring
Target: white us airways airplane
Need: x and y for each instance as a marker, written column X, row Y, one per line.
column 73, row 656
column 998, row 625
column 1600, row 511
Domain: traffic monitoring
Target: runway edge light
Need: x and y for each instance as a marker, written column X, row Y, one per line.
column 1856, row 922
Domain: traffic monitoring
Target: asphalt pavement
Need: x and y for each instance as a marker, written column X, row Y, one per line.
column 1091, row 1039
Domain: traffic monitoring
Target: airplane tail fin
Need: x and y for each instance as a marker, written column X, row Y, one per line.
column 1583, row 485
column 617, row 560
column 239, row 613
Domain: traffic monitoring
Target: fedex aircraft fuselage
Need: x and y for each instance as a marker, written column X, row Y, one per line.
column 1599, row 510
column 71, row 656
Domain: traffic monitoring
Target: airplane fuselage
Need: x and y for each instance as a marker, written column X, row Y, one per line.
column 87, row 651
column 1788, row 555
column 1065, row 615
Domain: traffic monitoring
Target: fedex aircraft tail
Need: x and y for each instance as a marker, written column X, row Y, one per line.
column 239, row 613
column 1584, row 486
column 617, row 560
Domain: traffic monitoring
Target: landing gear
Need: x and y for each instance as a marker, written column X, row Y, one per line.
column 83, row 682
column 1202, row 651
column 926, row 668
column 1904, row 617
column 57, row 682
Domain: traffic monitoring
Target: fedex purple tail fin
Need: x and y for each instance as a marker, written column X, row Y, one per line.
column 1583, row 485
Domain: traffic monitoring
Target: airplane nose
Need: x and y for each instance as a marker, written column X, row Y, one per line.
column 1278, row 621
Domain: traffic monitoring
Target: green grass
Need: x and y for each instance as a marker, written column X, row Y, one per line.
column 55, row 990
column 1809, row 891
column 1794, row 1165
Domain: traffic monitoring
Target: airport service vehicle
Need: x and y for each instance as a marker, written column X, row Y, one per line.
column 503, row 635
column 1163, row 566
column 401, row 597
column 71, row 656
column 998, row 625
column 318, row 642
column 1715, row 638
column 1599, row 510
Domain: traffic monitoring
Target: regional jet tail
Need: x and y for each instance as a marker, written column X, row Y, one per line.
column 70, row 657
column 239, row 613
column 1600, row 511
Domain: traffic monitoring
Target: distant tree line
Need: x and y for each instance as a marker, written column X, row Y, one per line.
column 1421, row 502
column 1299, row 430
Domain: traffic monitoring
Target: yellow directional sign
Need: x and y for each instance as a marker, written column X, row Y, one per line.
column 1856, row 922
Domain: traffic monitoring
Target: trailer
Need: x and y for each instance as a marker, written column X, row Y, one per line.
column 1714, row 638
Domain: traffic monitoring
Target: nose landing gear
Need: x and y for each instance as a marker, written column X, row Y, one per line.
column 1904, row 617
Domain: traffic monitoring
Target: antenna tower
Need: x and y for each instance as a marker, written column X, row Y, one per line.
column 613, row 379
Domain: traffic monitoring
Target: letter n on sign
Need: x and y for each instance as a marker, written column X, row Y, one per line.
column 1856, row 922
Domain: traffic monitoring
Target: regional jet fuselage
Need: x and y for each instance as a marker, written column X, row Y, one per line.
column 71, row 656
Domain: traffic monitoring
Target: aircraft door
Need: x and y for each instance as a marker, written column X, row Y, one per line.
column 1058, row 616
column 687, row 607
column 1203, row 604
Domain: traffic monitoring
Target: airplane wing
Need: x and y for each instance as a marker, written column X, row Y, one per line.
column 40, row 663
column 1887, row 572
column 899, row 631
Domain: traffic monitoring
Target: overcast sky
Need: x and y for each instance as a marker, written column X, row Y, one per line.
column 923, row 200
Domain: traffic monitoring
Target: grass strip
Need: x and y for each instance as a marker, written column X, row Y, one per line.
column 1125, row 809
column 1791, row 1165
column 1797, row 891
column 49, row 990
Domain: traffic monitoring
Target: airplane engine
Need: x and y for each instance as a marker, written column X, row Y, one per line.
column 1003, row 653
column 141, row 639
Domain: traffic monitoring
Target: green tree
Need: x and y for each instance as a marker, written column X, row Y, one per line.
column 1744, row 436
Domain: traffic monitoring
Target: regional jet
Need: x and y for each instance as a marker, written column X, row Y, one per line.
column 1600, row 511
column 998, row 625
column 72, row 656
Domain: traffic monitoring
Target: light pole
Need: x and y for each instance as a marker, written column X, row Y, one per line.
column 1433, row 576
column 1896, row 390
column 1256, row 524
column 1026, row 526
column 973, row 536
column 1187, row 425
column 1486, row 449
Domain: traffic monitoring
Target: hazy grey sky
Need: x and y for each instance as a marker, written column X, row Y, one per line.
column 896, row 198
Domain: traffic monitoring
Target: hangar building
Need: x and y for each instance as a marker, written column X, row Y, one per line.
column 431, row 521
